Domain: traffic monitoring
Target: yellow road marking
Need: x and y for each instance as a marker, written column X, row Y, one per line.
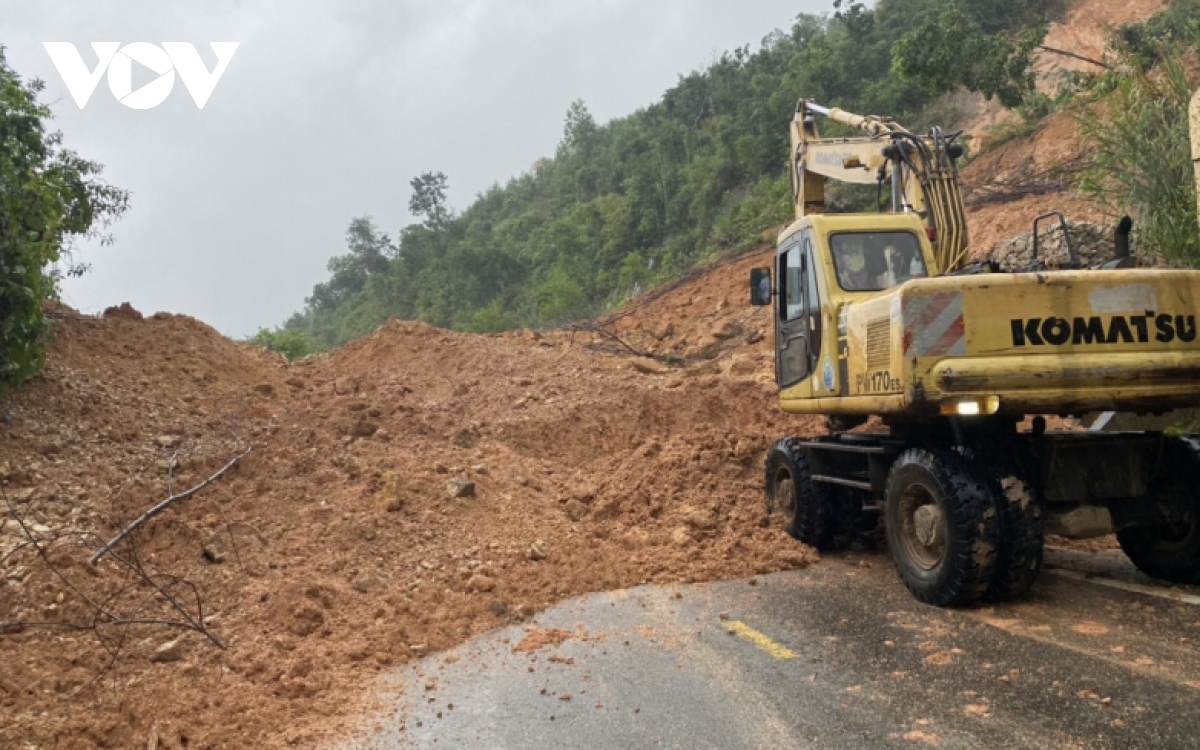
column 743, row 630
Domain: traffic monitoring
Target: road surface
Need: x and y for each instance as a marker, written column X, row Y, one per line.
column 834, row 656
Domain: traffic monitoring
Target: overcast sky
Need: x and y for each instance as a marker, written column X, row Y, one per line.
column 327, row 110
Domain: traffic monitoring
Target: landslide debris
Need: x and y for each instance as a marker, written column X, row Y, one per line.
column 404, row 493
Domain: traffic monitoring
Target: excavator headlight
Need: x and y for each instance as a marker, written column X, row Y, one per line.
column 972, row 407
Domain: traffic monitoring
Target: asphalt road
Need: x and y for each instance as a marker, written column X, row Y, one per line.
column 835, row 656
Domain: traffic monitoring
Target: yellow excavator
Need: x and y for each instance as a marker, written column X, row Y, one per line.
column 884, row 314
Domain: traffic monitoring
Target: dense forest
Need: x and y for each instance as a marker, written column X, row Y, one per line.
column 630, row 203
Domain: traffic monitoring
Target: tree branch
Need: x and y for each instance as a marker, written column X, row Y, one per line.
column 1072, row 55
column 152, row 512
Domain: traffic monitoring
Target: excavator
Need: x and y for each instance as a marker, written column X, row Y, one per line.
column 941, row 378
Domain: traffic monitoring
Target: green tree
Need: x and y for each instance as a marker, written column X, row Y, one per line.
column 429, row 199
column 954, row 49
column 49, row 197
column 292, row 344
column 1136, row 131
column 579, row 130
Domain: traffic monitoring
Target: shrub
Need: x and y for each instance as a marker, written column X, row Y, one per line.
column 48, row 197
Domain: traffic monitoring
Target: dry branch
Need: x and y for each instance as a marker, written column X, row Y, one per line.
column 105, row 607
column 152, row 512
column 998, row 182
column 1074, row 56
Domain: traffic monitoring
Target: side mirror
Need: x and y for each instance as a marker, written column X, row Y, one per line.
column 760, row 287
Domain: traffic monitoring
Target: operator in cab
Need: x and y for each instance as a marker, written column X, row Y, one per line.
column 872, row 262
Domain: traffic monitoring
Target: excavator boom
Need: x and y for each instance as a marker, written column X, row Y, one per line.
column 920, row 171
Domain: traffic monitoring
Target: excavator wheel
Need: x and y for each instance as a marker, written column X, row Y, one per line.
column 1022, row 536
column 942, row 527
column 810, row 512
column 1171, row 551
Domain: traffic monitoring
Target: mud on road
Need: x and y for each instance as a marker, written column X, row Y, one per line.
column 836, row 656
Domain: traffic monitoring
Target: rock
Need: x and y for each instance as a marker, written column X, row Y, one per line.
column 725, row 330
column 539, row 550
column 628, row 323
column 366, row 581
column 168, row 441
column 419, row 649
column 700, row 519
column 171, row 651
column 665, row 331
column 794, row 558
column 394, row 501
column 648, row 366
column 460, row 487
column 524, row 610
column 575, row 510
column 363, row 429
column 755, row 336
column 214, row 550
column 264, row 389
column 682, row 536
column 294, row 383
column 24, row 496
column 306, row 620
column 479, row 583
column 531, row 335
column 741, row 365
column 635, row 538
column 480, row 469
column 344, row 386
column 607, row 509
column 1093, row 244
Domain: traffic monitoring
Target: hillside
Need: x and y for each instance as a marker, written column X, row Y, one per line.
column 626, row 205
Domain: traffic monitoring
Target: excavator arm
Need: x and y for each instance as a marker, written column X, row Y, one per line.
column 920, row 171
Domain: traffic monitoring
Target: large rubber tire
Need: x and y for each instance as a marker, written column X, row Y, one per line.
column 1022, row 533
column 936, row 491
column 1172, row 552
column 810, row 512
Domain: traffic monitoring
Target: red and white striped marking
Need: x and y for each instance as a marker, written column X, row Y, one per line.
column 934, row 326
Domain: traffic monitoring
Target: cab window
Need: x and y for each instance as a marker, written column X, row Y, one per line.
column 874, row 261
column 794, row 291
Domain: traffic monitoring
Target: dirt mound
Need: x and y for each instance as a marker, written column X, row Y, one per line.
column 404, row 493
